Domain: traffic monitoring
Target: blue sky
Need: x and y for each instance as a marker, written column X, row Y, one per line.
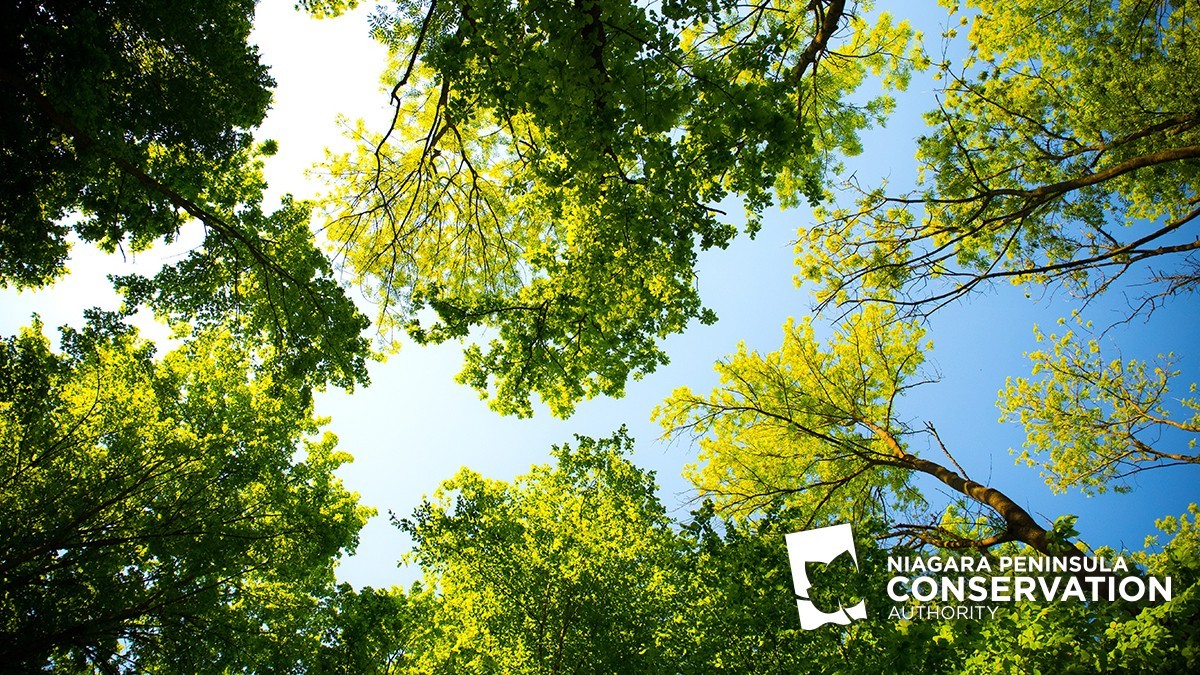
column 414, row 427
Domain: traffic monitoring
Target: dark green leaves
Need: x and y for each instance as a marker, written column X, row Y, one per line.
column 123, row 121
column 164, row 87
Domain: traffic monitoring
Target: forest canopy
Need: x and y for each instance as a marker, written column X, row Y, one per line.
column 549, row 178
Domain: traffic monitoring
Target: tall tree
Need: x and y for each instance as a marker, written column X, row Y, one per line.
column 821, row 427
column 121, row 121
column 108, row 109
column 176, row 514
column 566, row 569
column 1061, row 156
column 551, row 169
column 1063, row 151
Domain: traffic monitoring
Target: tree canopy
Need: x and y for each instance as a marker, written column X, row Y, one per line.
column 1061, row 157
column 551, row 170
column 568, row 568
column 175, row 514
column 122, row 121
column 1062, row 151
column 822, row 428
column 518, row 578
column 118, row 111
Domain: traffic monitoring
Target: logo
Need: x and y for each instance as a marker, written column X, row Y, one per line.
column 941, row 587
column 821, row 545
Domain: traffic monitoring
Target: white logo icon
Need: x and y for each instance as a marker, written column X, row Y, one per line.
column 821, row 545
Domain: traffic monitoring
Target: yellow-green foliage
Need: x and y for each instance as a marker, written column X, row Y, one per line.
column 1091, row 421
column 1062, row 149
column 797, row 422
column 553, row 169
column 568, row 567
